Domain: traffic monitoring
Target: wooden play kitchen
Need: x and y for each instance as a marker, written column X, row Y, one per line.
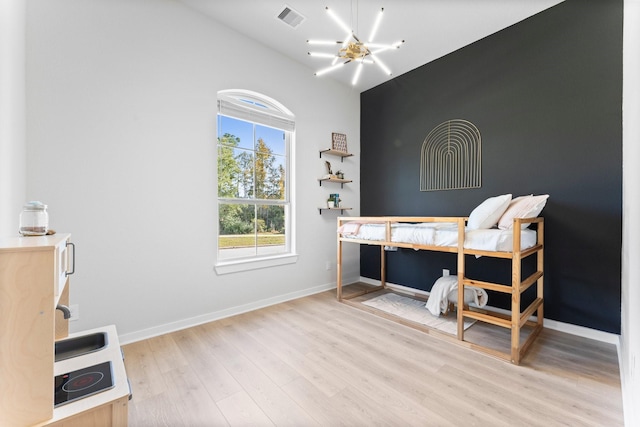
column 51, row 377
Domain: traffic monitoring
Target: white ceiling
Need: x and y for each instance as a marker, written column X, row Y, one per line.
column 430, row 28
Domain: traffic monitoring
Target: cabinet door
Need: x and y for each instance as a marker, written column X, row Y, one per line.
column 61, row 267
column 114, row 414
column 26, row 336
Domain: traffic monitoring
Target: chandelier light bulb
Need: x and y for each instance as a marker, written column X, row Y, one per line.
column 331, row 68
column 356, row 75
column 323, row 42
column 384, row 68
column 322, row 54
column 376, row 25
column 338, row 21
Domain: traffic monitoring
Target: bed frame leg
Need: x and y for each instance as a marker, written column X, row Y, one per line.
column 383, row 267
column 339, row 269
column 540, row 283
column 461, row 275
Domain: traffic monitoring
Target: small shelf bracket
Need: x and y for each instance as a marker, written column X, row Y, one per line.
column 334, row 209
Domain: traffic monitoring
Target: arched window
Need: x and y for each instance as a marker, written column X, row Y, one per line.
column 254, row 173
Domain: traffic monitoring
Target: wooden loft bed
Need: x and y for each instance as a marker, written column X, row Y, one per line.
column 515, row 320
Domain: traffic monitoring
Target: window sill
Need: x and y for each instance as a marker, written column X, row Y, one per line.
column 254, row 264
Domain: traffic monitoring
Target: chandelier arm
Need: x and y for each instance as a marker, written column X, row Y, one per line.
column 375, row 52
column 356, row 73
column 337, row 20
column 323, row 55
column 325, row 42
column 380, row 46
column 381, row 65
column 331, row 68
column 376, row 24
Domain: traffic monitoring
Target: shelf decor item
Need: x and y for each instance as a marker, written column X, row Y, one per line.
column 339, row 142
column 34, row 219
column 329, row 174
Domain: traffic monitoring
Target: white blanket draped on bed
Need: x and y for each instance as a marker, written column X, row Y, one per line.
column 445, row 290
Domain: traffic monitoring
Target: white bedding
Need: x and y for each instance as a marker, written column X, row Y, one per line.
column 442, row 234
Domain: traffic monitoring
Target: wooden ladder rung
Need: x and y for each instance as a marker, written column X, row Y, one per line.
column 530, row 281
column 488, row 285
column 530, row 310
column 488, row 318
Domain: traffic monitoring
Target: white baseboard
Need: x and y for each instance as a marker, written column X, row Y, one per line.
column 166, row 328
column 580, row 331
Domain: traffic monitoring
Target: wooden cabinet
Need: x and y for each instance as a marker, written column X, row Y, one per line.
column 33, row 281
column 112, row 414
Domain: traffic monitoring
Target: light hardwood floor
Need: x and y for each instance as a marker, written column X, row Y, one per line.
column 317, row 362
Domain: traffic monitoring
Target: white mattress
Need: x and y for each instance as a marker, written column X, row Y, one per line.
column 445, row 234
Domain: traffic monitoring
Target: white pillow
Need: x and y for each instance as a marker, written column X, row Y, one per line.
column 522, row 207
column 487, row 214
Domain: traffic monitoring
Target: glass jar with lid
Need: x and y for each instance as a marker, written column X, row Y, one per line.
column 34, row 219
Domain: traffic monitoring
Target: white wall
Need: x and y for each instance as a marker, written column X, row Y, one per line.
column 121, row 146
column 12, row 114
column 630, row 337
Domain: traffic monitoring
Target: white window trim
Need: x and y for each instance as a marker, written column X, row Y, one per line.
column 281, row 115
column 236, row 266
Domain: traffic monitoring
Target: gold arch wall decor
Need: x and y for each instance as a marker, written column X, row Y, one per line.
column 451, row 157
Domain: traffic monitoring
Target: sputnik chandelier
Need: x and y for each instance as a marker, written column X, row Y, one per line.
column 353, row 49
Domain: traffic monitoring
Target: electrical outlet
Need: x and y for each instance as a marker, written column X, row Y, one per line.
column 328, row 265
column 75, row 312
column 445, row 272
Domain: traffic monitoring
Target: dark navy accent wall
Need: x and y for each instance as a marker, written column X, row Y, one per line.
column 546, row 95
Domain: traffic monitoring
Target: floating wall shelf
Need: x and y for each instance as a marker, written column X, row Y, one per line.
column 341, row 181
column 340, row 154
column 334, row 209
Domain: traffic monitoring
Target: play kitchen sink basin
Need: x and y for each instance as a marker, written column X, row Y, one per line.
column 77, row 346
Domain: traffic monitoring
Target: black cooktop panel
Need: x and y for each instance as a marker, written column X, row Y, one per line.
column 83, row 382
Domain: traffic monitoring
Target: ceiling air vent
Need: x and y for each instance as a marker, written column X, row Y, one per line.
column 290, row 17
